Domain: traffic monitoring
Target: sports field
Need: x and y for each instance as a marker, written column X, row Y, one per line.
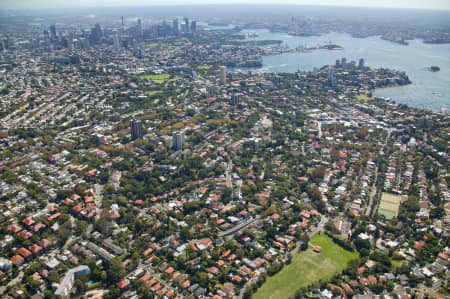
column 363, row 97
column 158, row 79
column 389, row 205
column 153, row 92
column 306, row 268
column 204, row 67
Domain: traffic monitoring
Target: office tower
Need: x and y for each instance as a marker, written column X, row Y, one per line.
column 70, row 44
column 343, row 62
column 136, row 129
column 194, row 75
column 193, row 27
column 116, row 42
column 338, row 63
column 178, row 140
column 186, row 24
column 315, row 72
column 331, row 75
column 175, row 27
column 139, row 27
column 46, row 34
column 223, row 74
column 361, row 63
column 53, row 31
column 236, row 98
column 96, row 34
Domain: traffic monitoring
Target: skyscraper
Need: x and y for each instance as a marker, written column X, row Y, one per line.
column 223, row 75
column 361, row 63
column 186, row 24
column 194, row 27
column 344, row 62
column 123, row 27
column 175, row 27
column 136, row 129
column 331, row 75
column 178, row 140
column 338, row 63
column 116, row 42
column 96, row 34
column 139, row 28
column 53, row 31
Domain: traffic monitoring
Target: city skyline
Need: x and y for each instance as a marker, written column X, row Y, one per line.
column 46, row 4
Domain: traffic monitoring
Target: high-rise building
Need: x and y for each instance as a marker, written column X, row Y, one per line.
column 175, row 27
column 338, row 63
column 136, row 129
column 178, row 140
column 223, row 74
column 361, row 63
column 139, row 27
column 96, row 34
column 315, row 72
column 186, row 25
column 331, row 75
column 116, row 42
column 236, row 98
column 53, row 31
column 211, row 90
column 122, row 29
column 343, row 62
column 193, row 27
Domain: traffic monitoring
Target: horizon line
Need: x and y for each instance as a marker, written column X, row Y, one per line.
column 217, row 4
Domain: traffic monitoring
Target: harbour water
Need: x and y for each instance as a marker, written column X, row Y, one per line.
column 429, row 90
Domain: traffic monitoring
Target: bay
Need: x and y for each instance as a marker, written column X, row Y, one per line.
column 428, row 90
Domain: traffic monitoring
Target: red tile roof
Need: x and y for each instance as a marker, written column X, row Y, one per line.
column 24, row 252
column 123, row 284
column 17, row 259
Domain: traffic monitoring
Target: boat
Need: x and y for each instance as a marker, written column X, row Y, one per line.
column 434, row 68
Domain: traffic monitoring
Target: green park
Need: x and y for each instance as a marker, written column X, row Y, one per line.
column 158, row 79
column 307, row 267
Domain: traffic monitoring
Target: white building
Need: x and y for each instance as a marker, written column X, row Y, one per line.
column 67, row 282
column 178, row 140
column 223, row 75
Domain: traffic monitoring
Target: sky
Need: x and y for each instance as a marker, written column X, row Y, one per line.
column 45, row 4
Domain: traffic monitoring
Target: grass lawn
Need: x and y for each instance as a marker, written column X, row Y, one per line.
column 306, row 268
column 363, row 97
column 153, row 92
column 397, row 263
column 158, row 79
column 204, row 67
column 156, row 45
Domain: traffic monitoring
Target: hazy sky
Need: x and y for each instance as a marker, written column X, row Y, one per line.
column 42, row 4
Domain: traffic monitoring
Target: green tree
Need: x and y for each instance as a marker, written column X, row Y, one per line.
column 115, row 270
